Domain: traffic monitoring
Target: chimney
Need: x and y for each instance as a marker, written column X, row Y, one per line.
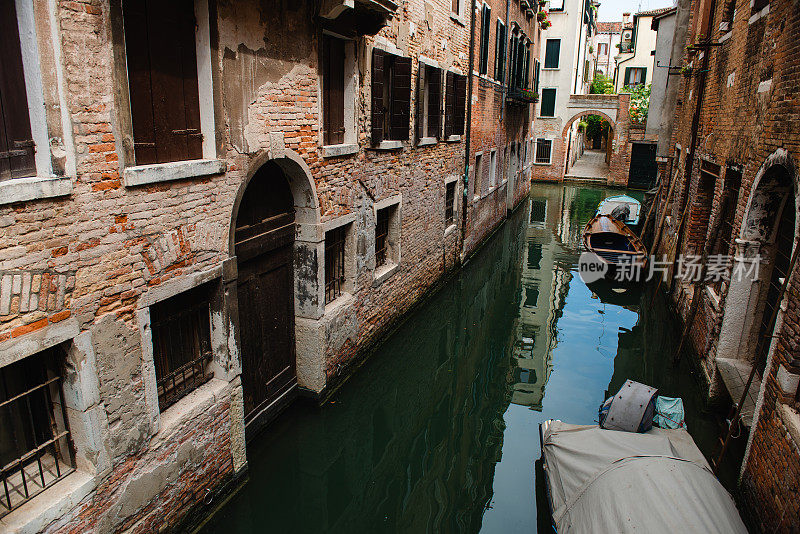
column 625, row 17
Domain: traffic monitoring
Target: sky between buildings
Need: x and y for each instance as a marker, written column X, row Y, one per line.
column 612, row 10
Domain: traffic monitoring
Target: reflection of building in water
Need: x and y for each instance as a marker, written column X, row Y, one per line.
column 544, row 289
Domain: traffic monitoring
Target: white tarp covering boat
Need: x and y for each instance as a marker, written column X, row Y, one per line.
column 610, row 481
column 631, row 206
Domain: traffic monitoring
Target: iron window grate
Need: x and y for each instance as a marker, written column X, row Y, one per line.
column 35, row 446
column 543, row 150
column 334, row 263
column 381, row 236
column 449, row 203
column 181, row 344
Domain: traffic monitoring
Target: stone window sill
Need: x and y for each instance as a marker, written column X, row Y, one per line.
column 388, row 145
column 453, row 139
column 338, row 304
column 187, row 409
column 427, row 141
column 177, row 170
column 543, row 164
column 384, row 272
column 333, row 151
column 712, row 297
column 449, row 230
column 34, row 188
column 455, row 17
column 791, row 420
column 49, row 505
column 755, row 16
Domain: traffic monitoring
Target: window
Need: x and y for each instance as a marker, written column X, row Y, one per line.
column 536, row 67
column 181, row 327
column 602, row 49
column 16, row 141
column 486, row 18
column 556, row 5
column 162, row 77
column 548, row 106
column 500, row 52
column 382, row 236
column 429, row 101
column 538, row 209
column 449, row 203
column 456, row 7
column 391, row 96
column 493, row 168
column 333, row 50
column 731, row 186
column 635, row 75
column 334, row 263
column 478, row 174
column 543, row 150
column 455, row 103
column 551, row 53
column 35, row 446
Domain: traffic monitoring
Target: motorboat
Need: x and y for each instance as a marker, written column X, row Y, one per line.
column 621, row 207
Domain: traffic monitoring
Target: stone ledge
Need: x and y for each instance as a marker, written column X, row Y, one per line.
column 388, row 145
column 449, row 230
column 177, row 170
column 427, row 141
column 791, row 420
column 333, row 151
column 34, row 188
column 384, row 272
column 453, row 139
column 50, row 505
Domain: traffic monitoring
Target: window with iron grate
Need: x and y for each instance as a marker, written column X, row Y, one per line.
column 181, row 327
column 382, row 236
column 543, row 150
column 449, row 204
column 334, row 263
column 35, row 443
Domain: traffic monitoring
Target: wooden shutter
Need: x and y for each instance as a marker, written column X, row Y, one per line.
column 401, row 98
column 434, row 103
column 449, row 104
column 162, row 76
column 377, row 118
column 627, row 76
column 16, row 142
column 460, row 104
column 419, row 113
column 536, row 66
column 643, row 70
column 485, row 28
column 333, row 91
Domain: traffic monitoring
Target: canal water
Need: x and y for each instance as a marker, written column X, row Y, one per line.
column 438, row 431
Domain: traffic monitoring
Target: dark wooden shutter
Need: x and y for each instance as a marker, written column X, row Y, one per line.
column 400, row 105
column 455, row 6
column 643, row 70
column 16, row 142
column 486, row 17
column 333, row 90
column 162, row 76
column 377, row 96
column 449, row 104
column 460, row 104
column 536, row 66
column 627, row 76
column 434, row 102
column 552, row 53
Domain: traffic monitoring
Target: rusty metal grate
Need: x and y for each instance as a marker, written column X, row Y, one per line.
column 181, row 329
column 334, row 263
column 543, row 148
column 449, row 203
column 381, row 236
column 35, row 447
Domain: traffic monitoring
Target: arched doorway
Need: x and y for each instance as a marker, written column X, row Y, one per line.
column 264, row 246
column 588, row 137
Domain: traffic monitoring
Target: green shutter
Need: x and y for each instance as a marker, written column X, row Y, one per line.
column 627, row 79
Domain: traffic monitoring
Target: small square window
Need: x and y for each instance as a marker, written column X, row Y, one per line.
column 181, row 327
column 544, row 150
column 548, row 105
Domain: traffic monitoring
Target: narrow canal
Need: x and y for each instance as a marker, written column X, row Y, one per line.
column 438, row 431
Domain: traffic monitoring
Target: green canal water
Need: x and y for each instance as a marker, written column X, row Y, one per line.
column 438, row 431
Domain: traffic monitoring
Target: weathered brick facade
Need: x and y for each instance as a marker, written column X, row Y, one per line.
column 86, row 254
column 745, row 123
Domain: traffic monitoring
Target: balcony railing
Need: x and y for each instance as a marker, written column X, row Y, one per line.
column 519, row 96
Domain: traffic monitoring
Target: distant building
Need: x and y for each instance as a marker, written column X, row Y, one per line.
column 635, row 64
column 605, row 43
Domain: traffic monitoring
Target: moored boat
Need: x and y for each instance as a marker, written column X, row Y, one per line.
column 614, row 243
column 621, row 207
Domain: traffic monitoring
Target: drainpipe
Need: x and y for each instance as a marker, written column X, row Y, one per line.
column 507, row 55
column 468, row 127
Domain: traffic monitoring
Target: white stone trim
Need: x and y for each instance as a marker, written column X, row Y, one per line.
column 176, row 170
column 765, row 86
column 34, row 188
column 177, row 286
column 382, row 43
column 383, row 273
column 388, row 145
column 427, row 141
column 755, row 16
column 18, row 348
column 334, row 151
column 332, row 224
column 205, row 81
column 429, row 62
column 453, row 139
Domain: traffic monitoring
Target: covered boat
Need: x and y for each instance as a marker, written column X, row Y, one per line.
column 610, row 481
column 621, row 207
column 613, row 242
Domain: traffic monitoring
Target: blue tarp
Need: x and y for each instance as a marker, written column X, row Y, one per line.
column 669, row 413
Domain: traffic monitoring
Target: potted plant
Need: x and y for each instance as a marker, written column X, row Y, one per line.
column 541, row 16
column 591, row 49
column 686, row 71
column 546, row 24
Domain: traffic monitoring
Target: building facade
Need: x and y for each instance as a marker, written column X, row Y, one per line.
column 635, row 61
column 733, row 172
column 210, row 208
column 606, row 46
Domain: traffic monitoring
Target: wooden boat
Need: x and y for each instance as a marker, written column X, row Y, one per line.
column 621, row 207
column 613, row 242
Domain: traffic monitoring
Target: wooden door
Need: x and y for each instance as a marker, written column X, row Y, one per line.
column 264, row 250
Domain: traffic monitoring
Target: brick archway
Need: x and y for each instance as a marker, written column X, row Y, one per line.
column 586, row 113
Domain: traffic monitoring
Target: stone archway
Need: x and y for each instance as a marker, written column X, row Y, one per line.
column 275, row 236
column 594, row 164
